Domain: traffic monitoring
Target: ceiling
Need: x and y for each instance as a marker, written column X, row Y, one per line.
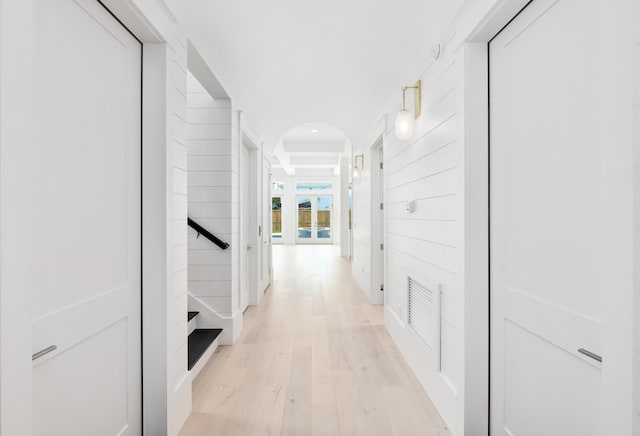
column 289, row 62
column 311, row 149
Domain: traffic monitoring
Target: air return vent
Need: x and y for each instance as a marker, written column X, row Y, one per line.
column 423, row 311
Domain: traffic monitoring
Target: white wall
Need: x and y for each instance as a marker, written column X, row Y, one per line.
column 361, row 223
column 636, row 255
column 179, row 382
column 427, row 169
column 344, row 206
column 439, row 168
column 16, row 145
column 289, row 205
column 213, row 167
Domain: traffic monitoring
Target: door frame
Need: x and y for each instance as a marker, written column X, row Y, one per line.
column 16, row 32
column 314, row 240
column 249, row 206
column 377, row 222
column 266, row 230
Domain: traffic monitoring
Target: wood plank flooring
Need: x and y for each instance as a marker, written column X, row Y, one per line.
column 313, row 359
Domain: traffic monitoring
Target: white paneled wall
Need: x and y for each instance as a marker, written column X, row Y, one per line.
column 236, row 143
column 361, row 225
column 178, row 381
column 212, row 187
column 636, row 104
column 426, row 169
column 424, row 244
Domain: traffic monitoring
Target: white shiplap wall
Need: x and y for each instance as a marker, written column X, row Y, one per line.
column 426, row 169
column 178, row 381
column 213, row 194
column 234, row 250
column 425, row 244
column 361, row 225
column 636, row 104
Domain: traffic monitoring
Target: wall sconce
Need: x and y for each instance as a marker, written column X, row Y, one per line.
column 404, row 120
column 358, row 169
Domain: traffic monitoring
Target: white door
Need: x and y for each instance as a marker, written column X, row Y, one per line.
column 381, row 262
column 86, row 258
column 265, row 268
column 314, row 215
column 547, row 288
column 245, row 245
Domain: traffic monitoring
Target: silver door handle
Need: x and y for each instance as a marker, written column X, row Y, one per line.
column 588, row 353
column 249, row 247
column 43, row 352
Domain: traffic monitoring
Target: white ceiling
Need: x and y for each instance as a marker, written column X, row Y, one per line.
column 310, row 146
column 288, row 62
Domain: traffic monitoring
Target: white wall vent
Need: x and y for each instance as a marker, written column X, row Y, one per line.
column 423, row 311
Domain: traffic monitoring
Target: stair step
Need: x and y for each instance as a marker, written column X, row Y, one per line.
column 191, row 315
column 198, row 343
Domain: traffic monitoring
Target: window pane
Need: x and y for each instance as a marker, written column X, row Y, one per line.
column 304, row 218
column 276, row 217
column 323, row 205
column 314, row 186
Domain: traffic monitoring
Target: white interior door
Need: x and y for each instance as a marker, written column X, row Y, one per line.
column 266, row 224
column 546, row 226
column 87, row 261
column 314, row 216
column 381, row 261
column 245, row 245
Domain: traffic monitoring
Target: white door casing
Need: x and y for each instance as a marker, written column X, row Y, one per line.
column 266, row 225
column 546, row 223
column 377, row 223
column 87, row 261
column 245, row 230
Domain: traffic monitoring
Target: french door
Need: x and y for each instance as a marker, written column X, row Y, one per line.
column 314, row 219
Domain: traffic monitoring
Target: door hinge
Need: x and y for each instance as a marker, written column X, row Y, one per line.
column 381, row 166
column 382, row 287
column 381, row 206
column 381, row 246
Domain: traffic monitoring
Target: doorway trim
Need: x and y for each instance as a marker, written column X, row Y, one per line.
column 249, row 206
column 378, row 214
column 472, row 55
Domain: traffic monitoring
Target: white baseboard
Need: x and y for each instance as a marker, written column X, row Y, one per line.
column 208, row 318
column 180, row 408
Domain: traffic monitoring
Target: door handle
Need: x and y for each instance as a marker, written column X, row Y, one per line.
column 588, row 353
column 249, row 247
column 43, row 352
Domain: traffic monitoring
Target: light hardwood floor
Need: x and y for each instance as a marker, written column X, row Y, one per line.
column 313, row 359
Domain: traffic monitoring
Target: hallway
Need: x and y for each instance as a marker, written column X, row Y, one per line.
column 313, row 359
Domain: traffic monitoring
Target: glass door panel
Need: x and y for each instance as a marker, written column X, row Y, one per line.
column 323, row 217
column 276, row 219
column 315, row 219
column 305, row 218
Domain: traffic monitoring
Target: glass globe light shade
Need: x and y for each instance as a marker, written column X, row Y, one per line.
column 404, row 125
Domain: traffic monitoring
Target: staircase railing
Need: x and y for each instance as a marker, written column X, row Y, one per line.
column 207, row 234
